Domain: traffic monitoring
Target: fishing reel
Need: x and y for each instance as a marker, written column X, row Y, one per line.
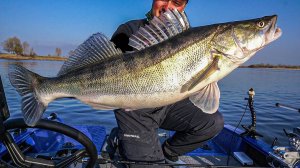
column 287, row 156
column 294, row 138
column 284, row 157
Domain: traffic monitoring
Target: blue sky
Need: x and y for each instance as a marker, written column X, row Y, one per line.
column 47, row 24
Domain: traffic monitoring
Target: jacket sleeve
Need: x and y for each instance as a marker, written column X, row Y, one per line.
column 123, row 33
column 121, row 38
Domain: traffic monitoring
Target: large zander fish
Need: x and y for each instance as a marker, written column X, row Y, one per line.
column 172, row 61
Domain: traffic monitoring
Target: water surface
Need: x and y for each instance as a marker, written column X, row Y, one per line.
column 271, row 86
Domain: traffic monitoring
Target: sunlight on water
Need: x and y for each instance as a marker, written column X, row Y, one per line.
column 271, row 86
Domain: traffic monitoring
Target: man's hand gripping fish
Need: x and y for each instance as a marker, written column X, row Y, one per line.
column 172, row 61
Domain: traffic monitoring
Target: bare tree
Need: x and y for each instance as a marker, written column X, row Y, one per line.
column 26, row 48
column 58, row 51
column 13, row 45
column 8, row 45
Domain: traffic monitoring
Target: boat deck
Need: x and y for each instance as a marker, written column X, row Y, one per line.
column 212, row 154
column 192, row 161
column 210, row 160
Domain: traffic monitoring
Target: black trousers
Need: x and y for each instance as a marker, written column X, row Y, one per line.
column 138, row 129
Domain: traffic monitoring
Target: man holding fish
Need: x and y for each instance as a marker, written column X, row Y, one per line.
column 138, row 136
column 163, row 74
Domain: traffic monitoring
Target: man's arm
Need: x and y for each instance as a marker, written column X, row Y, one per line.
column 121, row 41
column 124, row 31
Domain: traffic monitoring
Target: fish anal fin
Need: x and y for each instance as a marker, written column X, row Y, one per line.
column 207, row 99
column 202, row 75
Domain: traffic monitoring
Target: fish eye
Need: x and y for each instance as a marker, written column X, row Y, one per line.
column 261, row 24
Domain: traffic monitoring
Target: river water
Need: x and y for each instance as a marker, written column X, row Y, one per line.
column 271, row 86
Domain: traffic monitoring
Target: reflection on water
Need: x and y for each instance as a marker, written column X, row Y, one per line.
column 271, row 86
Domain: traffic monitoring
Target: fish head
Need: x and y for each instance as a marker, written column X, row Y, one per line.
column 240, row 40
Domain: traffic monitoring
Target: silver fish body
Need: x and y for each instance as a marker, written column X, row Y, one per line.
column 149, row 78
column 186, row 65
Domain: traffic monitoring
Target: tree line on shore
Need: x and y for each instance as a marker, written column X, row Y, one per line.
column 13, row 45
column 272, row 66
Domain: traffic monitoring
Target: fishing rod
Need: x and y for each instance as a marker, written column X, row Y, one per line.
column 287, row 107
column 294, row 137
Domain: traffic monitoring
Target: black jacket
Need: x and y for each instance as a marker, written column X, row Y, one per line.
column 124, row 31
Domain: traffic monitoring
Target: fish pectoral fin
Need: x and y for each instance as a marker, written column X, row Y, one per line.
column 100, row 106
column 200, row 76
column 207, row 99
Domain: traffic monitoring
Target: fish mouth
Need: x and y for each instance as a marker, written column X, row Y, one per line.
column 277, row 34
column 274, row 32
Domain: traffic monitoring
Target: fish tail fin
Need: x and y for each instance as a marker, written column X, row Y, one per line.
column 25, row 83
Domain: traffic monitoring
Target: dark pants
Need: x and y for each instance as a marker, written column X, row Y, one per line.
column 138, row 137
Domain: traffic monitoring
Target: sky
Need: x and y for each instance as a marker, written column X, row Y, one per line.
column 48, row 24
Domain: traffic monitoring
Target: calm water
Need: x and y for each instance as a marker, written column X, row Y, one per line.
column 271, row 86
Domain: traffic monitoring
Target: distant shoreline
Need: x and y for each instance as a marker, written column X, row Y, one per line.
column 56, row 58
column 18, row 57
column 269, row 66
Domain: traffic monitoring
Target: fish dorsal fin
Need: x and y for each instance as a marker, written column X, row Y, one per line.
column 168, row 24
column 95, row 49
column 207, row 99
